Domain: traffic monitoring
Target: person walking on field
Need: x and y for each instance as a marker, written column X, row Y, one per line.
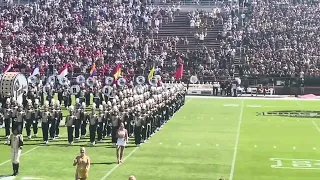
column 83, row 165
column 16, row 143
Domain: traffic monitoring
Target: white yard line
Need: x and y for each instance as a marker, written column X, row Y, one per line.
column 115, row 167
column 316, row 125
column 133, row 151
column 236, row 143
column 29, row 151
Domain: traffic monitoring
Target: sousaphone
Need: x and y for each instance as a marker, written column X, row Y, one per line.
column 51, row 80
column 90, row 81
column 121, row 82
column 193, row 79
column 80, row 79
column 109, row 80
column 64, row 81
column 74, row 89
column 140, row 80
column 33, row 80
column 106, row 90
column 153, row 81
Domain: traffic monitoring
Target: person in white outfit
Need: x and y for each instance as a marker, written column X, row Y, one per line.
column 122, row 139
column 16, row 143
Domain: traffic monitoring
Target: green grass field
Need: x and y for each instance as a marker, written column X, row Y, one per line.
column 207, row 139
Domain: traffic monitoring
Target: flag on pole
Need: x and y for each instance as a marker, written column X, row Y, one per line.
column 93, row 71
column 7, row 68
column 63, row 72
column 151, row 73
column 117, row 72
column 179, row 72
column 36, row 70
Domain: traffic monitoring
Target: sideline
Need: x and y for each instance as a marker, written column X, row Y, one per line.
column 272, row 98
column 236, row 143
column 135, row 149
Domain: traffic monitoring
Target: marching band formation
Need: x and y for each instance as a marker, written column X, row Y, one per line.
column 143, row 109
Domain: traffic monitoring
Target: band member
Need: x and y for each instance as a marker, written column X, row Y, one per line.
column 20, row 118
column 53, row 120
column 60, row 94
column 107, row 128
column 82, row 97
column 87, row 96
column 144, row 124
column 36, row 117
column 93, row 124
column 83, row 119
column 45, row 117
column 16, row 143
column 7, row 114
column 65, row 95
column 77, row 122
column 96, row 97
column 50, row 94
column 83, row 165
column 29, row 117
column 70, row 124
column 100, row 122
column 138, row 126
column 122, row 139
column 115, row 124
column 14, row 109
column 58, row 116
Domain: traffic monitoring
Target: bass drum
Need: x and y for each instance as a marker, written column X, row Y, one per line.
column 13, row 85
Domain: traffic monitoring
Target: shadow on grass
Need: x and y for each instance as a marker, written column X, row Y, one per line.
column 103, row 163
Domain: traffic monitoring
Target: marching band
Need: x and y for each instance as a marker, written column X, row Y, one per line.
column 143, row 109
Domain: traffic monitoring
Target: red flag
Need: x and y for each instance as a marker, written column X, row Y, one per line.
column 116, row 72
column 179, row 72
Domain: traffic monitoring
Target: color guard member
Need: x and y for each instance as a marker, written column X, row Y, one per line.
column 93, row 124
column 122, row 139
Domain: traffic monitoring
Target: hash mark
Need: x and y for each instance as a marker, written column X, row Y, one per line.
column 293, row 147
column 198, row 144
column 275, row 147
column 160, row 143
column 314, row 148
column 255, row 146
column 179, row 144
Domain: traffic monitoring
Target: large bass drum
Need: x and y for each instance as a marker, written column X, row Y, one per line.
column 13, row 84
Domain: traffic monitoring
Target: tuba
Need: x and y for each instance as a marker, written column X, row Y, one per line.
column 121, row 82
column 90, row 81
column 51, row 80
column 109, row 80
column 153, row 81
column 64, row 81
column 132, row 123
column 33, row 80
column 80, row 79
column 75, row 89
column 193, row 79
column 140, row 80
column 106, row 90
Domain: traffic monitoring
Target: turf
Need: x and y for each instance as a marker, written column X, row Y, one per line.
column 199, row 142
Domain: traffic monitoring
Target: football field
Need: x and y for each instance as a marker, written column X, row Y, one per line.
column 209, row 138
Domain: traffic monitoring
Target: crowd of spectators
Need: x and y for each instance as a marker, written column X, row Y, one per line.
column 282, row 39
column 105, row 32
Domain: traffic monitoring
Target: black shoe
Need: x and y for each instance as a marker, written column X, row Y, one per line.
column 14, row 174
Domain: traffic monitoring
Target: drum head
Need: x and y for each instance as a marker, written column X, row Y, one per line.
column 20, row 85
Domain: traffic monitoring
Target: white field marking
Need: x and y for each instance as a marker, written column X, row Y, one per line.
column 254, row 106
column 234, row 159
column 275, row 147
column 316, row 126
column 8, row 178
column 179, row 144
column 29, row 151
column 231, row 105
column 281, row 98
column 255, row 146
column 293, row 147
column 115, row 167
column 198, row 144
column 184, row 117
column 226, row 118
column 287, row 159
column 160, row 143
column 282, row 120
column 217, row 145
column 314, row 148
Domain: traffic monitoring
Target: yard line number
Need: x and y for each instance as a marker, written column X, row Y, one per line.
column 282, row 163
